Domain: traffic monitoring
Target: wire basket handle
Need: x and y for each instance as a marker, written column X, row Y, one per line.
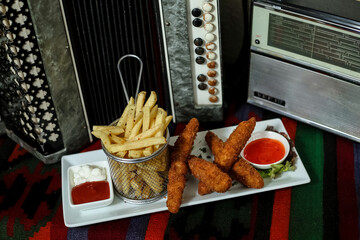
column 122, row 79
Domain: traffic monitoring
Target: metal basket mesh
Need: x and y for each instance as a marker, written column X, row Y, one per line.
column 141, row 182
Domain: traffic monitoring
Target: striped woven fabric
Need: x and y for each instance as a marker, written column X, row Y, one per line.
column 326, row 208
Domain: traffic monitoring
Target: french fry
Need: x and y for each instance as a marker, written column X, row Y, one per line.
column 116, row 139
column 122, row 120
column 130, row 120
column 142, row 143
column 146, row 118
column 167, row 122
column 140, row 102
column 146, row 192
column 104, row 136
column 124, row 177
column 135, row 153
column 136, row 129
column 117, row 130
column 148, row 133
column 137, row 184
column 151, row 101
column 120, row 154
column 148, row 151
column 152, row 179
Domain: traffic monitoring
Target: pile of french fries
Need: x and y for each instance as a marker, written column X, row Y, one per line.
column 140, row 130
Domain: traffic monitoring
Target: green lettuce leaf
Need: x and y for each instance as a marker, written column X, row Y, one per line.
column 277, row 169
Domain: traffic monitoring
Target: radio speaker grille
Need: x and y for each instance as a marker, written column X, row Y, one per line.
column 101, row 32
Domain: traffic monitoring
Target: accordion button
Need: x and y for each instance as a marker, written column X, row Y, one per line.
column 196, row 12
column 210, row 46
column 211, row 65
column 212, row 82
column 208, row 17
column 200, row 60
column 197, row 22
column 211, row 73
column 207, row 7
column 209, row 27
column 209, row 37
column 199, row 50
column 213, row 99
column 198, row 41
column 211, row 55
column 202, row 86
column 212, row 90
column 201, row 77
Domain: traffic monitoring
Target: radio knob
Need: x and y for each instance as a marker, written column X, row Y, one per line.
column 209, row 37
column 201, row 77
column 202, row 86
column 207, row 7
column 196, row 12
column 200, row 60
column 197, row 22
column 198, row 41
column 199, row 50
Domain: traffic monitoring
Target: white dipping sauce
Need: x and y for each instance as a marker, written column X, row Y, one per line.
column 88, row 173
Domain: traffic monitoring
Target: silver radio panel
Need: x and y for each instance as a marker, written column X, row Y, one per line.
column 307, row 69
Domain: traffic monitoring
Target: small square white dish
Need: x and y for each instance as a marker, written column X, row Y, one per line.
column 73, row 170
column 119, row 209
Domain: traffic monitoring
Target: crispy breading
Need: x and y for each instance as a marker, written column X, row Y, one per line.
column 234, row 144
column 246, row 174
column 178, row 169
column 209, row 174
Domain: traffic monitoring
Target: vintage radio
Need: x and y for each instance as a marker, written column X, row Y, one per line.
column 305, row 62
column 59, row 73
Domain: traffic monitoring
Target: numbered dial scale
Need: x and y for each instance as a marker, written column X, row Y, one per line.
column 204, row 34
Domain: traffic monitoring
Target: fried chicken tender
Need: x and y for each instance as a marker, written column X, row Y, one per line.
column 234, row 144
column 209, row 174
column 242, row 171
column 246, row 174
column 178, row 169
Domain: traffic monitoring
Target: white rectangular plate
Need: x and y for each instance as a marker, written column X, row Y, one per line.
column 119, row 209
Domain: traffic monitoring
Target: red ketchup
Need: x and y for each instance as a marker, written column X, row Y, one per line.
column 90, row 192
column 264, row 151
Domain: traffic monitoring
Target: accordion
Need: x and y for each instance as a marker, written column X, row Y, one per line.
column 59, row 76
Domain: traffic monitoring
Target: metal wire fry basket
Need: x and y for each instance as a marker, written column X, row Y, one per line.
column 141, row 180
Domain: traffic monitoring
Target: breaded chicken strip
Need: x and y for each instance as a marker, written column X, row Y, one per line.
column 234, row 144
column 242, row 171
column 246, row 174
column 178, row 169
column 209, row 174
